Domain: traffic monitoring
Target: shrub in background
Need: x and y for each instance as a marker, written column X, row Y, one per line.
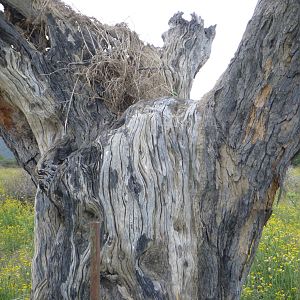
column 291, row 190
column 7, row 162
column 16, row 183
column 296, row 160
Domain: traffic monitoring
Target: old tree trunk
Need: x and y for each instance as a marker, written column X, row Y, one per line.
column 182, row 188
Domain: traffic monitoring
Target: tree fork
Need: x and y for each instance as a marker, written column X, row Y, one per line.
column 181, row 188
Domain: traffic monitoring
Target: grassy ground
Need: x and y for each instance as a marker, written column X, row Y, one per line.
column 275, row 274
column 15, row 183
column 16, row 249
column 16, row 232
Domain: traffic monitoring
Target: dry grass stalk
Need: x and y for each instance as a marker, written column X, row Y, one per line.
column 121, row 66
column 125, row 68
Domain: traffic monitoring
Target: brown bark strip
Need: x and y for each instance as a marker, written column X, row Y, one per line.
column 263, row 96
column 257, row 119
column 95, row 261
column 6, row 112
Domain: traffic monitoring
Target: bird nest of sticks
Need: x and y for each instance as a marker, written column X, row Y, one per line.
column 121, row 69
column 125, row 68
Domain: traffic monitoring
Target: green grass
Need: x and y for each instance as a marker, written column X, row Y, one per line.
column 16, row 249
column 16, row 234
column 275, row 273
column 8, row 173
column 15, row 183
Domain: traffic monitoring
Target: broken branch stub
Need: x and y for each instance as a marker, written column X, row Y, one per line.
column 187, row 47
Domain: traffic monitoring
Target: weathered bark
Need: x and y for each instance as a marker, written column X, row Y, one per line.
column 186, row 49
column 182, row 188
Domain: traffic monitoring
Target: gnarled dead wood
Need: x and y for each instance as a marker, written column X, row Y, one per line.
column 182, row 188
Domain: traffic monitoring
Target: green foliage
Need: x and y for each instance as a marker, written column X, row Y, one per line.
column 7, row 162
column 296, row 160
column 292, row 187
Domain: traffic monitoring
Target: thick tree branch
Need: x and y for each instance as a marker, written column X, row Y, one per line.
column 252, row 121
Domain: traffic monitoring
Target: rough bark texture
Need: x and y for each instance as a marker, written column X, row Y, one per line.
column 182, row 188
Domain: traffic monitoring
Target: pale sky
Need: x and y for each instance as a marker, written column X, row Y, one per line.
column 150, row 19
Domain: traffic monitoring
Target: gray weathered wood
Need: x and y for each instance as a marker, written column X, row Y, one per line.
column 181, row 188
column 186, row 52
column 24, row 7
